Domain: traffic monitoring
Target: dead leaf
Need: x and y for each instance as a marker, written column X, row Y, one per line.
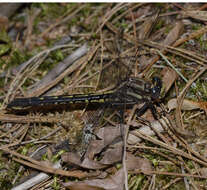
column 82, row 186
column 4, row 23
column 113, row 154
column 142, row 62
column 107, row 136
column 147, row 26
column 203, row 172
column 174, row 34
column 109, row 140
column 75, row 160
column 139, row 163
column 115, row 182
column 187, row 104
column 133, row 139
column 169, row 76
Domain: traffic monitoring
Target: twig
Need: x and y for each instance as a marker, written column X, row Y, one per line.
column 42, row 167
column 109, row 14
column 171, row 148
column 58, row 69
column 63, row 20
column 168, row 173
column 179, row 119
column 36, row 179
column 125, row 128
column 171, row 65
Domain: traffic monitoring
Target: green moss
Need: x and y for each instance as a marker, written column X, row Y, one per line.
column 54, row 58
column 190, row 164
column 57, row 55
column 44, row 157
column 136, row 181
column 7, row 175
column 159, row 5
column 159, row 24
column 5, row 184
column 52, row 10
column 74, row 20
column 155, row 162
column 86, row 11
column 199, row 89
column 24, row 150
column 124, row 25
column 204, row 45
column 56, row 157
column 5, row 43
column 4, row 37
column 196, row 26
column 94, row 35
column 118, row 25
column 4, row 48
column 55, row 184
column 17, row 57
column 167, row 29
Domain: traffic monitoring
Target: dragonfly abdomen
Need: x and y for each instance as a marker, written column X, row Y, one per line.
column 48, row 100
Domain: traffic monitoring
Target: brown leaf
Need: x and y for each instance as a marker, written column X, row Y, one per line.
column 139, row 163
column 142, row 62
column 4, row 23
column 110, row 140
column 187, row 104
column 203, row 172
column 113, row 154
column 107, row 136
column 75, row 160
column 147, row 26
column 144, row 129
column 169, row 76
column 115, row 182
column 174, row 34
column 82, row 186
column 9, row 9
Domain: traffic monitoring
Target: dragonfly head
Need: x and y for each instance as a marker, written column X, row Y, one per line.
column 156, row 88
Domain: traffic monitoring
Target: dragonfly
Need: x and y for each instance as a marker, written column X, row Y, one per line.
column 129, row 92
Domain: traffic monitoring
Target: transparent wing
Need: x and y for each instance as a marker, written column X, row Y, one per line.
column 118, row 62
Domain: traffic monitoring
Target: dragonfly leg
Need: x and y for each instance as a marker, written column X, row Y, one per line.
column 121, row 115
column 154, row 111
column 143, row 109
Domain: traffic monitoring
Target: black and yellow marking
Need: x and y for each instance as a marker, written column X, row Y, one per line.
column 129, row 92
column 19, row 103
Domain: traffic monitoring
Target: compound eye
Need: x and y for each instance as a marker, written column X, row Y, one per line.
column 154, row 91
